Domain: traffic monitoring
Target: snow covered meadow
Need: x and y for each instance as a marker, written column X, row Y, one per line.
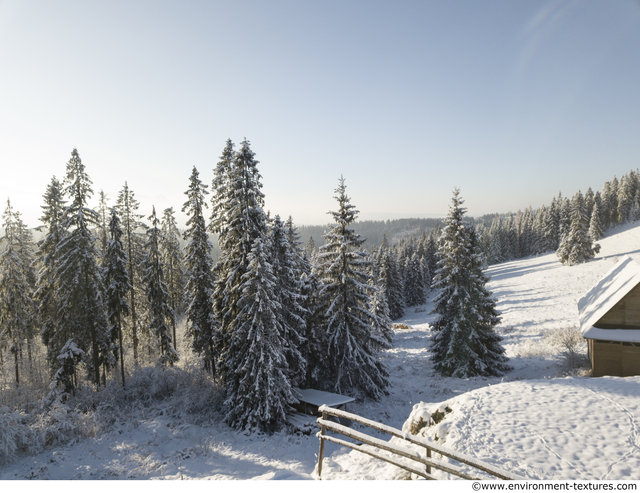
column 543, row 420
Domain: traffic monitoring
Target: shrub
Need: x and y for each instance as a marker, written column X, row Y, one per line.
column 573, row 346
column 400, row 326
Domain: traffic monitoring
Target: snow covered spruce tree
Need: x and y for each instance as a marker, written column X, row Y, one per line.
column 47, row 296
column 248, row 298
column 17, row 285
column 391, row 283
column 174, row 273
column 82, row 309
column 381, row 324
column 308, row 288
column 289, row 291
column 414, row 288
column 133, row 240
column 464, row 343
column 258, row 387
column 202, row 326
column 238, row 222
column 352, row 362
column 118, row 287
column 576, row 245
column 595, row 227
column 161, row 315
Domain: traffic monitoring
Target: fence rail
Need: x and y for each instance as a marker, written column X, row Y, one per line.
column 399, row 450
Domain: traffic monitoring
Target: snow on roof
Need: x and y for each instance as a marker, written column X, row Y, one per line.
column 611, row 288
column 318, row 397
column 620, row 335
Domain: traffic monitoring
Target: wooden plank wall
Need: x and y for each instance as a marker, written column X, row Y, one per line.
column 624, row 314
column 620, row 359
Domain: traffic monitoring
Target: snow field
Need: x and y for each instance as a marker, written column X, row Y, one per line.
column 535, row 421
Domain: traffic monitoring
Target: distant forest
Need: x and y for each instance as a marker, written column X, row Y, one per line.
column 395, row 230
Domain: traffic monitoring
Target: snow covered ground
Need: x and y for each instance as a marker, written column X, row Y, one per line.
column 541, row 421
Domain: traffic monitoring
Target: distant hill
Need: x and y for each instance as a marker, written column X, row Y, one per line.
column 373, row 231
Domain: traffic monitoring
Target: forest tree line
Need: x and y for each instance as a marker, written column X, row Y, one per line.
column 265, row 318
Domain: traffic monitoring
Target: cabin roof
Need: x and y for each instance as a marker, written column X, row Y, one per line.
column 318, row 397
column 603, row 296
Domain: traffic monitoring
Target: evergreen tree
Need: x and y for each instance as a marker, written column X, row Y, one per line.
column 464, row 343
column 595, row 228
column 202, row 328
column 564, row 219
column 17, row 304
column 118, row 287
column 414, row 292
column 244, row 222
column 133, row 241
column 81, row 310
column 311, row 246
column 289, row 291
column 552, row 225
column 103, row 226
column 589, row 201
column 258, row 389
column 391, row 284
column 381, row 323
column 353, row 363
column 161, row 314
column 576, row 246
column 432, row 253
column 54, row 334
column 221, row 191
column 174, row 272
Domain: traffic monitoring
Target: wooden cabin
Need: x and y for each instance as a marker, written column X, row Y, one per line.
column 610, row 321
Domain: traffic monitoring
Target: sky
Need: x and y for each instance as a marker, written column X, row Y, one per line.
column 511, row 102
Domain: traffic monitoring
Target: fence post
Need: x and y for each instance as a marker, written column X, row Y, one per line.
column 323, row 430
column 429, row 457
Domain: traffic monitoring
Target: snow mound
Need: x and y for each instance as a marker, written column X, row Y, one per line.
column 566, row 428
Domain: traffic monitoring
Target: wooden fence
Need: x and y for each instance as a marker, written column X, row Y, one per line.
column 397, row 449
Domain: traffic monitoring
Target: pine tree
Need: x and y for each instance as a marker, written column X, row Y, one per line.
column 391, row 283
column 54, row 334
column 103, row 226
column 353, row 363
column 118, row 287
column 381, row 324
column 202, row 328
column 81, row 309
column 310, row 247
column 258, row 389
column 133, row 240
column 576, row 246
column 289, row 291
column 432, row 253
column 464, row 343
column 626, row 193
column 160, row 313
column 244, row 221
column 221, row 191
column 315, row 341
column 552, row 225
column 595, row 228
column 174, row 272
column 17, row 285
column 414, row 292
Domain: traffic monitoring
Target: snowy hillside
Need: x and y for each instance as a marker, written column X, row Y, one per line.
column 542, row 420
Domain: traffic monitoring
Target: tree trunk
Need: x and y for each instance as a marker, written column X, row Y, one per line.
column 15, row 359
column 121, row 350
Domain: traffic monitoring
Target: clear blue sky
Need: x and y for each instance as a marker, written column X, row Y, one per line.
column 511, row 101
